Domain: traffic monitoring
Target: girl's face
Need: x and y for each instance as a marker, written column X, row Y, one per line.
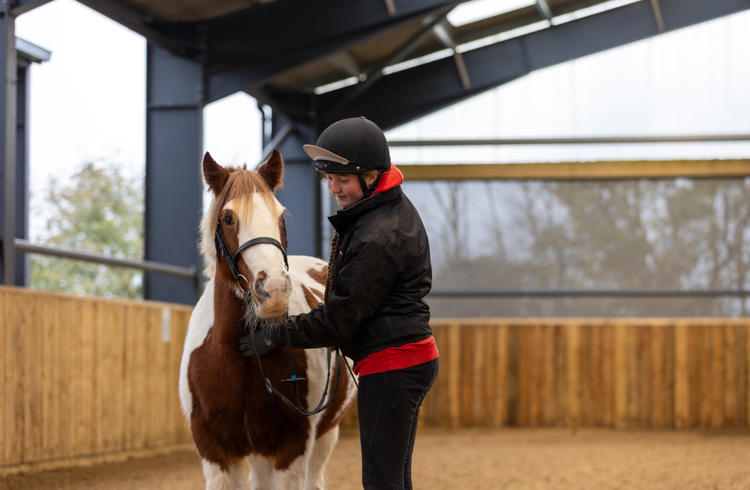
column 345, row 188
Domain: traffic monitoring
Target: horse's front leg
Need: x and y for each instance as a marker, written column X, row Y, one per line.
column 290, row 475
column 217, row 479
column 261, row 472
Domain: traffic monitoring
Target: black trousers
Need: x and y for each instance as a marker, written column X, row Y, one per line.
column 388, row 405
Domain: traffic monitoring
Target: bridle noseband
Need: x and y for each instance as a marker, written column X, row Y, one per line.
column 222, row 249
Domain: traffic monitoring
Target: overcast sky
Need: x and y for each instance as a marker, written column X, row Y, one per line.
column 88, row 101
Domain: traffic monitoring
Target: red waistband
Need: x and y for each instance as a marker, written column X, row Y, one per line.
column 401, row 357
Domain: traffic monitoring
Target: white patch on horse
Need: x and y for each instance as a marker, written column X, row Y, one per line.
column 200, row 323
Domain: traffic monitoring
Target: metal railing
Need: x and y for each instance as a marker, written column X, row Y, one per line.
column 144, row 265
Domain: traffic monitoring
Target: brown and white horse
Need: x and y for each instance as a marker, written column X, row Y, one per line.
column 233, row 418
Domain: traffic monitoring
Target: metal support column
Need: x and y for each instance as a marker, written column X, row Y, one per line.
column 8, row 138
column 22, row 265
column 174, row 139
column 301, row 191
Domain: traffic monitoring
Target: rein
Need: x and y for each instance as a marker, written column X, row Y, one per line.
column 222, row 249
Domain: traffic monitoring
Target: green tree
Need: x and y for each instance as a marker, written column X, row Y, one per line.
column 100, row 211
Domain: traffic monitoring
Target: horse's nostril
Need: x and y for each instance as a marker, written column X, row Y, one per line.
column 260, row 289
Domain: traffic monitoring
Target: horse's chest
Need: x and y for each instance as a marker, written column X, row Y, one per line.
column 233, row 416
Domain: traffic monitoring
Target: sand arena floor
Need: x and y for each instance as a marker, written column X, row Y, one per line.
column 478, row 459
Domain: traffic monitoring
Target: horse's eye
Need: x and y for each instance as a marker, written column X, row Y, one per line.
column 228, row 219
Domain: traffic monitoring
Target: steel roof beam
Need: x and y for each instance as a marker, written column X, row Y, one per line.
column 345, row 62
column 434, row 85
column 443, row 32
column 245, row 50
column 375, row 73
column 656, row 8
column 544, row 10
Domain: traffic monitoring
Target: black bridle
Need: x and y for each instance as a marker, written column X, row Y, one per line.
column 222, row 249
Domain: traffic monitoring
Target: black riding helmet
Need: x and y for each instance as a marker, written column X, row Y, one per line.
column 351, row 146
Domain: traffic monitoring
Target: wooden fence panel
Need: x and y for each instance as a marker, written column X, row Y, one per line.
column 83, row 378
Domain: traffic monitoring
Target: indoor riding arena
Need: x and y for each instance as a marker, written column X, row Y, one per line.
column 581, row 167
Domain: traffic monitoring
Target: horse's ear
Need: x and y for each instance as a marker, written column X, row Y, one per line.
column 272, row 170
column 216, row 176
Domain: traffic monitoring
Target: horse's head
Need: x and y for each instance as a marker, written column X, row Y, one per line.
column 244, row 234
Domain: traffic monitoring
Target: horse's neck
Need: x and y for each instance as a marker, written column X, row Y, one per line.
column 229, row 312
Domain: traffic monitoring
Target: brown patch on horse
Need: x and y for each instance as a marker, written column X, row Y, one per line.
column 320, row 276
column 216, row 176
column 312, row 297
column 233, row 415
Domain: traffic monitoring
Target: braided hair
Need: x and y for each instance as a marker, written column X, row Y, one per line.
column 335, row 244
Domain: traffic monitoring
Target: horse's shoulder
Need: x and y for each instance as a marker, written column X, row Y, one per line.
column 308, row 270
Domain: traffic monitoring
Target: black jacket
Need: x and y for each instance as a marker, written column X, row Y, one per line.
column 381, row 276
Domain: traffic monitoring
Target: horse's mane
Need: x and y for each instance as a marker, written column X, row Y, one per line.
column 242, row 183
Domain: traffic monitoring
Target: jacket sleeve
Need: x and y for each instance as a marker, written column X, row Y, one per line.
column 365, row 277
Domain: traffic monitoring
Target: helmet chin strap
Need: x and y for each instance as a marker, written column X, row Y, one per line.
column 366, row 191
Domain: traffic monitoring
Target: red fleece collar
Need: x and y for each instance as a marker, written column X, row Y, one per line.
column 391, row 178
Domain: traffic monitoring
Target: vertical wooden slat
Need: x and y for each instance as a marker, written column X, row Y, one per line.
column 490, row 383
column 161, row 401
column 65, row 374
column 478, row 378
column 706, row 366
column 696, row 344
column 594, row 372
column 11, row 380
column 574, row 388
column 549, row 399
column 730, row 377
column 716, row 377
column 454, row 365
column 33, row 389
column 742, row 375
column 537, row 375
column 85, row 378
column 512, row 399
column 51, row 363
column 681, row 377
column 658, row 392
column 608, row 376
column 13, row 417
column 561, row 373
column 466, row 390
column 524, row 375
column 621, row 374
column 501, row 373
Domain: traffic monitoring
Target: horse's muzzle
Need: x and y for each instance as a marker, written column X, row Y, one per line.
column 271, row 294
